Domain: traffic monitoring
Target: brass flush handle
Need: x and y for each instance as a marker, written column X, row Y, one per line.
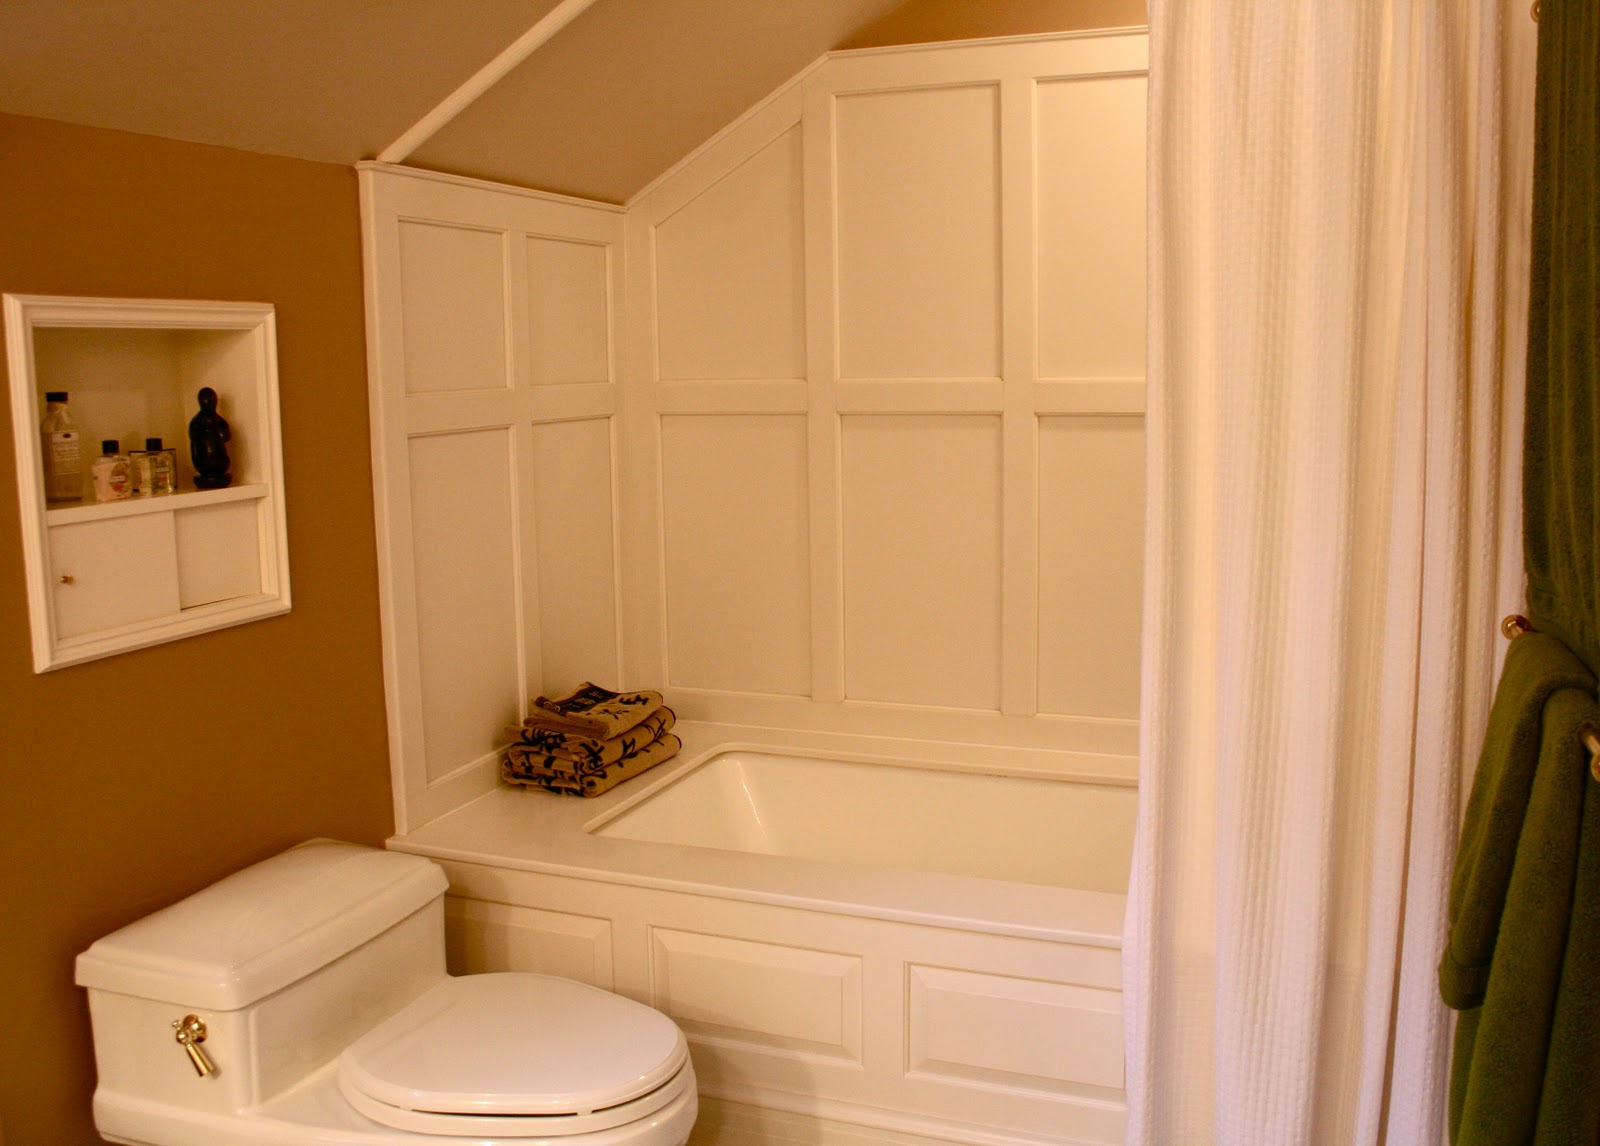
column 191, row 1033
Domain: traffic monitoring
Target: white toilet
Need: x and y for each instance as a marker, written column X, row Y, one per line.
column 304, row 1000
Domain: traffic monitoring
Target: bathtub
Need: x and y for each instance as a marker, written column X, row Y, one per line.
column 896, row 815
column 864, row 940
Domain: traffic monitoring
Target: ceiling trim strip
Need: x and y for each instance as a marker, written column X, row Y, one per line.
column 489, row 75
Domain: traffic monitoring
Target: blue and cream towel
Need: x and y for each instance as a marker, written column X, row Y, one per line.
column 590, row 740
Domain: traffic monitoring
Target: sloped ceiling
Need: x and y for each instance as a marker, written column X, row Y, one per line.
column 610, row 102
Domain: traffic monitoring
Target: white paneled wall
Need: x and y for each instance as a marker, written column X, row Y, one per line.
column 730, row 274
column 917, row 232
column 492, row 329
column 888, row 379
column 865, row 456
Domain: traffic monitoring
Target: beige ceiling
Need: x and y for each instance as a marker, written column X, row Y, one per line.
column 610, row 102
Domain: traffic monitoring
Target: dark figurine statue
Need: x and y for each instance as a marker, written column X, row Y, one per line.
column 208, row 444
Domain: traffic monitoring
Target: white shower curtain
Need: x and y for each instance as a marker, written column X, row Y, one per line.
column 1335, row 371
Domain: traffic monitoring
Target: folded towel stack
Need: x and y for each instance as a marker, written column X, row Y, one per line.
column 590, row 740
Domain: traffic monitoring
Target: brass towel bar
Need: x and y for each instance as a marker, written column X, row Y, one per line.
column 1514, row 626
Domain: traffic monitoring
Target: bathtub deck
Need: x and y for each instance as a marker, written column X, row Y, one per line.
column 532, row 830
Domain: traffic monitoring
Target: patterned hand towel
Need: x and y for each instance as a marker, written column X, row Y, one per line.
column 590, row 710
column 587, row 780
column 533, row 734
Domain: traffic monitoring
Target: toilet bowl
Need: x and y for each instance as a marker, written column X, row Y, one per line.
column 304, row 1000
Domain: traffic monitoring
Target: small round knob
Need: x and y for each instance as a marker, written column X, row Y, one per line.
column 67, row 579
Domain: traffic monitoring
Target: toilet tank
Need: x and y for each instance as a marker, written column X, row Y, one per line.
column 286, row 962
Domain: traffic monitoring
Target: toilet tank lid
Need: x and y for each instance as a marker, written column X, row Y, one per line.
column 260, row 929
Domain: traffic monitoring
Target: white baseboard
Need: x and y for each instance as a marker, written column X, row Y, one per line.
column 726, row 1123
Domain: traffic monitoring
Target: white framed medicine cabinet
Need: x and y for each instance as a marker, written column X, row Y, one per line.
column 107, row 577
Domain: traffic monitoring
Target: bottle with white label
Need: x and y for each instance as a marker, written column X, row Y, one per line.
column 110, row 472
column 61, row 448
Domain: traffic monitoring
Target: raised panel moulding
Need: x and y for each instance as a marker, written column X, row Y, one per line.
column 1091, row 497
column 452, row 307
column 1090, row 196
column 569, row 312
column 1003, row 1031
column 730, row 274
column 921, row 544
column 765, row 994
column 463, row 537
column 574, row 518
column 918, row 233
column 737, row 568
column 484, row 937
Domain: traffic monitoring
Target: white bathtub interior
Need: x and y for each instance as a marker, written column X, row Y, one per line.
column 1027, row 829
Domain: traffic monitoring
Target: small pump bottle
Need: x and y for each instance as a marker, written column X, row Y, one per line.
column 61, row 449
column 110, row 471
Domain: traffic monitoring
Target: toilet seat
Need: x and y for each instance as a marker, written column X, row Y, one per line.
column 515, row 1055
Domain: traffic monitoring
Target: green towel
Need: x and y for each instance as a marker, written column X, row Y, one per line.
column 1524, row 948
column 1561, row 430
column 1537, row 667
column 1531, row 839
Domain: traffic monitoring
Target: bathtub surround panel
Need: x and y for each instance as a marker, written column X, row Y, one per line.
column 917, row 215
column 575, row 537
column 492, row 331
column 1094, row 548
column 920, row 542
column 734, row 510
column 568, row 312
column 466, row 640
column 1090, row 198
column 453, row 308
column 730, row 274
column 947, row 221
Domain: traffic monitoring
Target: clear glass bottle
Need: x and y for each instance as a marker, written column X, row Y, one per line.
column 166, row 467
column 110, row 470
column 154, row 469
column 61, row 448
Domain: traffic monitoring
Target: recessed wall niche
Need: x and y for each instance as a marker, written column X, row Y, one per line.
column 108, row 576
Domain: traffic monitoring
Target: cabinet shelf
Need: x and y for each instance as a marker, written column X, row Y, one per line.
column 152, row 503
column 106, row 577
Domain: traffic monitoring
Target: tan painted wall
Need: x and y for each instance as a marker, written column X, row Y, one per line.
column 930, row 21
column 128, row 782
